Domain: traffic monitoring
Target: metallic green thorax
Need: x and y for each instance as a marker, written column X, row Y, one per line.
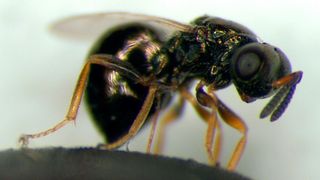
column 204, row 53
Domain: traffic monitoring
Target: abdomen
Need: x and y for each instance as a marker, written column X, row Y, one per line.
column 114, row 100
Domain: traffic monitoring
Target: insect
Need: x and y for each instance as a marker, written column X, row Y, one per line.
column 137, row 67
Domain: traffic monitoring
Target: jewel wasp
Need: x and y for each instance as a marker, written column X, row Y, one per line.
column 141, row 62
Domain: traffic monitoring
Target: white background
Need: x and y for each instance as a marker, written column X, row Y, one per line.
column 38, row 73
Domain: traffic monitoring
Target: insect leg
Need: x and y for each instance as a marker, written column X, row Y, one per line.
column 138, row 122
column 154, row 121
column 236, row 122
column 103, row 60
column 171, row 116
column 214, row 127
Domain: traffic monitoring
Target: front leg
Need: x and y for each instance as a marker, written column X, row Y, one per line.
column 214, row 127
column 215, row 104
column 233, row 120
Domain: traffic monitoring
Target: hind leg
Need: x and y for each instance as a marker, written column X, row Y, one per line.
column 107, row 61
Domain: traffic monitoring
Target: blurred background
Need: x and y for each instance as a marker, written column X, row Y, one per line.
column 38, row 73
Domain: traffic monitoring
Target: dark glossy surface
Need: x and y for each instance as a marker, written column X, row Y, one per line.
column 115, row 100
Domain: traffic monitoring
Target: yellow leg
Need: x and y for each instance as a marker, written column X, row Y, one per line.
column 154, row 121
column 170, row 117
column 217, row 144
column 233, row 120
column 236, row 122
column 104, row 60
column 213, row 130
column 213, row 134
column 138, row 122
column 72, row 111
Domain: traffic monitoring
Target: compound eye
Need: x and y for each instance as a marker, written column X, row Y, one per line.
column 248, row 65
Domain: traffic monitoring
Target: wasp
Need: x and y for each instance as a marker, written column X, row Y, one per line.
column 138, row 66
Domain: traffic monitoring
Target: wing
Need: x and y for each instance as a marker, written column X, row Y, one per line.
column 91, row 26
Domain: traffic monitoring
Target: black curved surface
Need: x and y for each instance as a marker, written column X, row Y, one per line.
column 91, row 163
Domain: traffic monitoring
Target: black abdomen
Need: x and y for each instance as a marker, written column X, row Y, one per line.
column 114, row 100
